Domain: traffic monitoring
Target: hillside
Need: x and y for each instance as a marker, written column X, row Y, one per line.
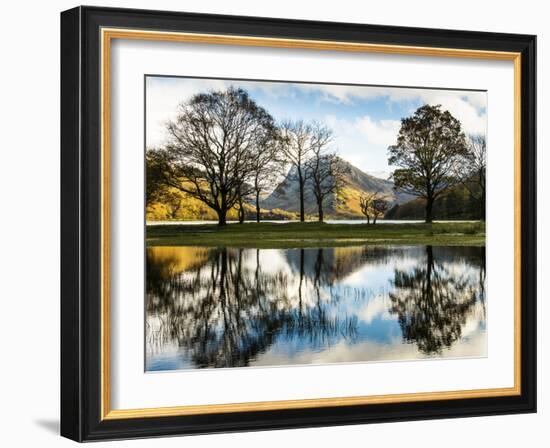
column 346, row 205
column 282, row 203
column 178, row 206
column 456, row 204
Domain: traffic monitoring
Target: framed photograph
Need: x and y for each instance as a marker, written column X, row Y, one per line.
column 272, row 223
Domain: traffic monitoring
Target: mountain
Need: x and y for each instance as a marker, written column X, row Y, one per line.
column 346, row 205
column 283, row 202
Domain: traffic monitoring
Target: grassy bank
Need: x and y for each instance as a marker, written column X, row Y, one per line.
column 313, row 234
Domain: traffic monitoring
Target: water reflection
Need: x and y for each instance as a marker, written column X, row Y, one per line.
column 225, row 307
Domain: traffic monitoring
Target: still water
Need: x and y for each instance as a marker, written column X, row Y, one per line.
column 227, row 307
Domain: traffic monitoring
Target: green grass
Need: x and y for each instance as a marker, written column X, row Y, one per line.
column 313, row 234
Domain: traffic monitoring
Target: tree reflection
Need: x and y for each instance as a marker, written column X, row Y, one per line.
column 434, row 300
column 225, row 307
column 226, row 310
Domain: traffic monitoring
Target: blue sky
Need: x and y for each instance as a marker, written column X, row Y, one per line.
column 365, row 119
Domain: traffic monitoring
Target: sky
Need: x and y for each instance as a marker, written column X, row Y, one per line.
column 365, row 119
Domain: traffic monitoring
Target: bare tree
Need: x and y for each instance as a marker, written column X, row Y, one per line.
column 297, row 143
column 324, row 169
column 373, row 205
column 380, row 206
column 327, row 178
column 246, row 195
column 365, row 205
column 266, row 167
column 474, row 172
column 242, row 197
column 211, row 151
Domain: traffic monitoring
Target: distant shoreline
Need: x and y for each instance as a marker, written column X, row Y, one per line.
column 314, row 234
column 289, row 221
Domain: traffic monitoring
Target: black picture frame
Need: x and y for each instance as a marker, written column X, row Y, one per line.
column 81, row 224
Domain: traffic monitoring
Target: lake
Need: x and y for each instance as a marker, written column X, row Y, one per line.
column 229, row 307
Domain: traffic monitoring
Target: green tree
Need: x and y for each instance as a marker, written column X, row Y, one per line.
column 432, row 302
column 429, row 150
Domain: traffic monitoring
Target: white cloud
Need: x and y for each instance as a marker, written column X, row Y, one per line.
column 165, row 94
column 364, row 141
column 375, row 308
column 341, row 93
column 473, row 121
column 163, row 99
column 467, row 106
column 380, row 133
column 371, row 351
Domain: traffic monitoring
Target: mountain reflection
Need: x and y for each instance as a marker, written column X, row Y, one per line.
column 227, row 307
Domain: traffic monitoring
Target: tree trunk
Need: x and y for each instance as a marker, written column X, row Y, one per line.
column 374, row 219
column 481, row 183
column 222, row 217
column 301, row 182
column 429, row 208
column 482, row 201
column 222, row 210
column 257, row 206
column 321, row 212
column 241, row 211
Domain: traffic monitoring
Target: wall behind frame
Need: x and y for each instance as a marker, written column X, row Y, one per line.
column 29, row 224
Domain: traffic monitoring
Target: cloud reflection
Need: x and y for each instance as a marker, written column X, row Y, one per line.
column 223, row 307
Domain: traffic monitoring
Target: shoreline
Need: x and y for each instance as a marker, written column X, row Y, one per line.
column 326, row 221
column 314, row 234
